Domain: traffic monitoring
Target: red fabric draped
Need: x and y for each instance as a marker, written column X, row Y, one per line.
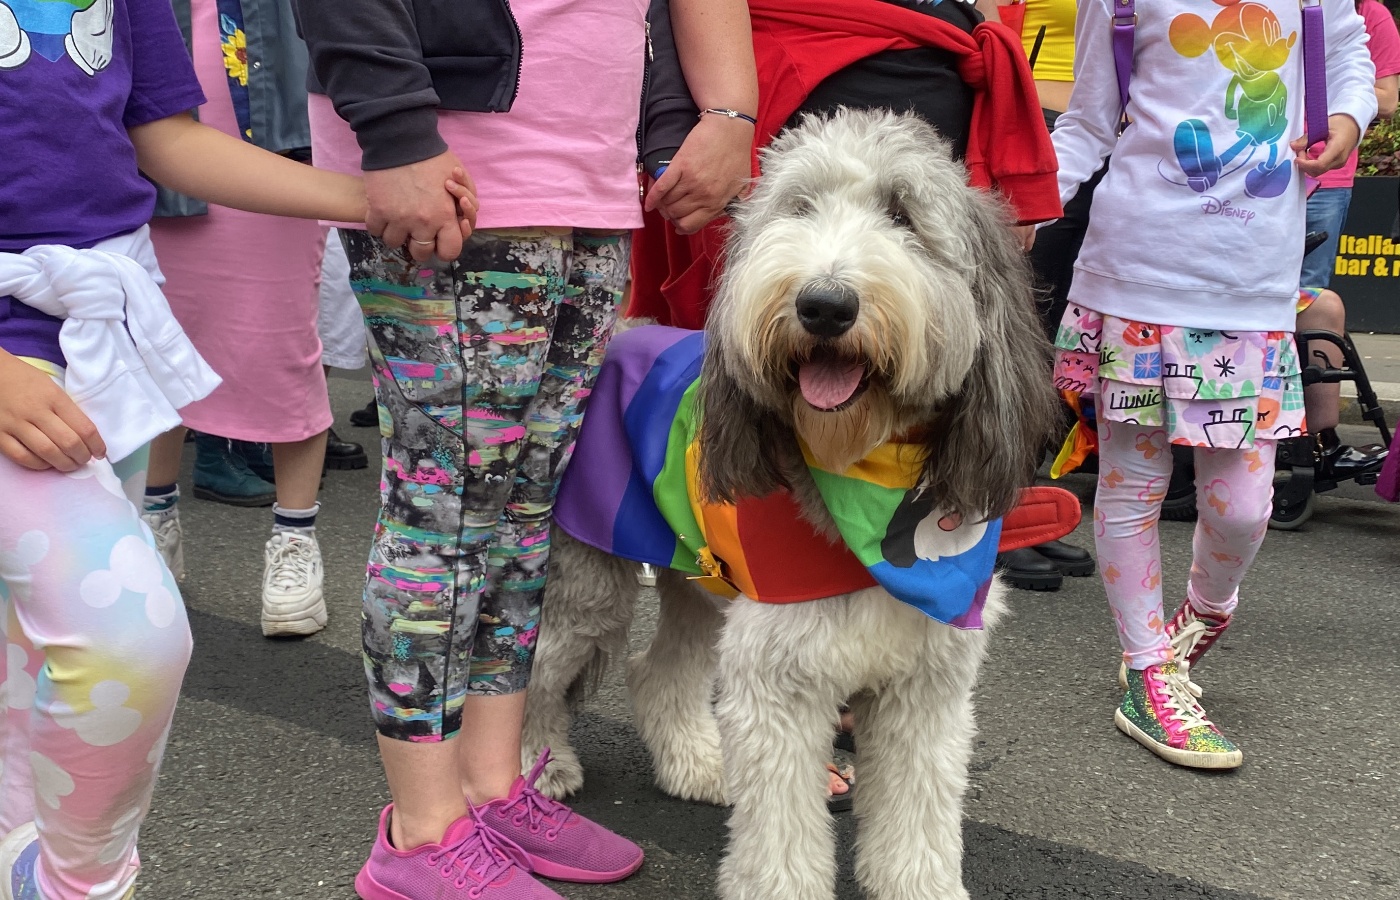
column 797, row 44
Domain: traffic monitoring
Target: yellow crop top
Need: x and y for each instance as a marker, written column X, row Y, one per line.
column 1055, row 62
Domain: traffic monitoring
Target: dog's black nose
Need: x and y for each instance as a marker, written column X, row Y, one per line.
column 827, row 310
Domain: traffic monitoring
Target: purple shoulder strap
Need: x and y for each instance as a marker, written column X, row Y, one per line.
column 1314, row 61
column 1314, row 71
column 1124, row 28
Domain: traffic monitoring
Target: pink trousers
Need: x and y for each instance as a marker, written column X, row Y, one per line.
column 96, row 643
column 1234, row 498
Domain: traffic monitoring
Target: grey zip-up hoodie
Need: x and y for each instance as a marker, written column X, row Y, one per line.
column 388, row 66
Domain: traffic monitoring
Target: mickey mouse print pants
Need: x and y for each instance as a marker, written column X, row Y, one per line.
column 1234, row 499
column 96, row 644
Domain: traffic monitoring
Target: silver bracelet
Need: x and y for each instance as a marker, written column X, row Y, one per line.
column 728, row 114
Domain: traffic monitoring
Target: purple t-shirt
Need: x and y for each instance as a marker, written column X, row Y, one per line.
column 82, row 73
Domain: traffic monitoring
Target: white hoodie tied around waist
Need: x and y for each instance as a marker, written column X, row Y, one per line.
column 129, row 364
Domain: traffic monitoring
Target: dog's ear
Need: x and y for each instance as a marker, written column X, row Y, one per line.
column 741, row 444
column 989, row 438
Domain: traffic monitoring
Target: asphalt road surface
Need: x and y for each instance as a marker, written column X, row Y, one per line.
column 271, row 783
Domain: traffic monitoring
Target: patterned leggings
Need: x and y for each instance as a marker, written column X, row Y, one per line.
column 96, row 643
column 1234, row 501
column 482, row 370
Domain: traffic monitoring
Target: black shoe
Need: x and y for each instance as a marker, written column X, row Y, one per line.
column 1067, row 558
column 1342, row 462
column 368, row 417
column 344, row 454
column 1029, row 571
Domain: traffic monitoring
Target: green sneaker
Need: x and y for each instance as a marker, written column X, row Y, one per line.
column 222, row 475
column 1161, row 710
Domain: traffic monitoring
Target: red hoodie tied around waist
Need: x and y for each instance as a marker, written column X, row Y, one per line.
column 799, row 43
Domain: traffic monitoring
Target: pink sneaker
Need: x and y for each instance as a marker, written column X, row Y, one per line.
column 471, row 863
column 559, row 843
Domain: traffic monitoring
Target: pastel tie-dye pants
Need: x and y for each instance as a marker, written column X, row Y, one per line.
column 96, row 643
column 1234, row 501
column 482, row 370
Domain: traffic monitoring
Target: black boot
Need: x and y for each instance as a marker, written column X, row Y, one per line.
column 366, row 417
column 1028, row 570
column 1067, row 558
column 344, row 454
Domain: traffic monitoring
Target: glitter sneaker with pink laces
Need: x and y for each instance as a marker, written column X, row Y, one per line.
column 559, row 843
column 471, row 863
column 1161, row 710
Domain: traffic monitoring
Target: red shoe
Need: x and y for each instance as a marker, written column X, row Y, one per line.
column 1191, row 644
column 1191, row 634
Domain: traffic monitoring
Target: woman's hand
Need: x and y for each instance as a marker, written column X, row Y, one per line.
column 409, row 208
column 1342, row 138
column 709, row 170
column 40, row 425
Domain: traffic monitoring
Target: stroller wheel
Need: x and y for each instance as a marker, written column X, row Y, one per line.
column 1293, row 505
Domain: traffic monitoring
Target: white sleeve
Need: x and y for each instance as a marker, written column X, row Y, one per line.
column 1086, row 132
column 1351, row 76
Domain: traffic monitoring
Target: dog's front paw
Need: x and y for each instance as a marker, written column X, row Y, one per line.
column 562, row 777
column 696, row 775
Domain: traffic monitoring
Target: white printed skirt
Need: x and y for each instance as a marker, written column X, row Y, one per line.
column 1205, row 388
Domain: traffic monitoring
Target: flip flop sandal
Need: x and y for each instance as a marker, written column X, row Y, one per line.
column 837, row 803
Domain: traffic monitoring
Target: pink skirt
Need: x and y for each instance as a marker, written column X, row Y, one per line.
column 245, row 286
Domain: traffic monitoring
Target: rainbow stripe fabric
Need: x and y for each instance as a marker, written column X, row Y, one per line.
column 630, row 491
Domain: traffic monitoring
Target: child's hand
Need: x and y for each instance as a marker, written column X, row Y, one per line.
column 40, row 426
column 461, row 186
column 1342, row 138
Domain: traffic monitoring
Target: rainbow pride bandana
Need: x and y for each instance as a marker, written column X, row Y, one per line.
column 630, row 490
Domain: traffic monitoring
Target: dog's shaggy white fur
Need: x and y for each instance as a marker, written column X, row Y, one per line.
column 866, row 206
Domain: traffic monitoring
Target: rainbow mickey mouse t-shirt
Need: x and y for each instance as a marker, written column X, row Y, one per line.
column 74, row 76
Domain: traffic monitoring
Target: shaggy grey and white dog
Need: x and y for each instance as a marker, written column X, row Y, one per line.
column 869, row 293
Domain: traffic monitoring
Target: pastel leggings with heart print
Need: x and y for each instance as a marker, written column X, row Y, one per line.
column 96, row 643
column 1234, row 497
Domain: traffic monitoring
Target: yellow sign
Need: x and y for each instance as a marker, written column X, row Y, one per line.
column 1368, row 255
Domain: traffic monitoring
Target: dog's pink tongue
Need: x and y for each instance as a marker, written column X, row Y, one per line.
column 827, row 383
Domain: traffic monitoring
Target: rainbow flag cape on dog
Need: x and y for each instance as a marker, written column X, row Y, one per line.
column 630, row 490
